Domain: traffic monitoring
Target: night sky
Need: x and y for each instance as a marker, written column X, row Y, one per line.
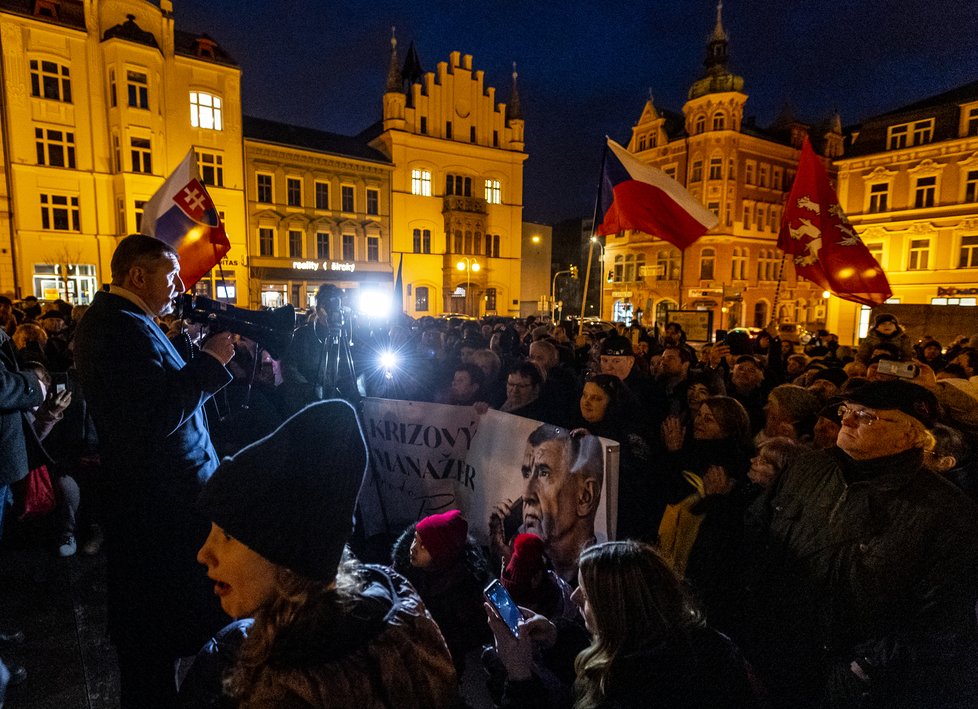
column 586, row 67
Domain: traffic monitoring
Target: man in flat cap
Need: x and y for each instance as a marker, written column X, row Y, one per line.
column 863, row 567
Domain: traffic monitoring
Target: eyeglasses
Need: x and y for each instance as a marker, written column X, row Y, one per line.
column 862, row 416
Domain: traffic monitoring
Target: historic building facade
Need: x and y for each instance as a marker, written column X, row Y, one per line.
column 102, row 100
column 456, row 188
column 742, row 173
column 318, row 212
column 909, row 184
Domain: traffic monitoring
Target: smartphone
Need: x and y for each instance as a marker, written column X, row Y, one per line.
column 904, row 370
column 504, row 604
column 59, row 381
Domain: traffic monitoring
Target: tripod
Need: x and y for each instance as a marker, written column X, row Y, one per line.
column 337, row 377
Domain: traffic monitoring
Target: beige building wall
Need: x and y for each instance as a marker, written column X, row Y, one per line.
column 914, row 202
column 81, row 164
column 448, row 123
column 282, row 271
column 535, row 283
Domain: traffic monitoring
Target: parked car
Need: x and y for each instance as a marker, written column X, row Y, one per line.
column 793, row 332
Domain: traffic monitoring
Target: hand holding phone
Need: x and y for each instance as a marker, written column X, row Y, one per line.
column 505, row 606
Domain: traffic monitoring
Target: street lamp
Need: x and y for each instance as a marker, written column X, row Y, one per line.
column 469, row 265
column 594, row 240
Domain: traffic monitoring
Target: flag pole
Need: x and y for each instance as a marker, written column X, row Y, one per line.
column 777, row 291
column 590, row 242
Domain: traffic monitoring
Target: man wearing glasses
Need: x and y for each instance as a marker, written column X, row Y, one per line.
column 863, row 567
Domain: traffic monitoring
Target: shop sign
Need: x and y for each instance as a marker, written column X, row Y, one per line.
column 621, row 294
column 231, row 262
column 705, row 292
column 951, row 290
column 347, row 266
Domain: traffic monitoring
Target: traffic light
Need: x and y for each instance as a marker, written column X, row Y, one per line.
column 611, row 276
column 573, row 271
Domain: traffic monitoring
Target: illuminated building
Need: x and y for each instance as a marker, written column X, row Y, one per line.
column 742, row 173
column 101, row 101
column 909, row 184
column 456, row 188
column 318, row 210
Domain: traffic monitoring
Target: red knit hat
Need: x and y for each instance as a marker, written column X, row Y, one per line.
column 444, row 536
column 528, row 558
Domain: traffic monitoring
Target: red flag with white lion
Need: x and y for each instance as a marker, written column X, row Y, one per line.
column 826, row 248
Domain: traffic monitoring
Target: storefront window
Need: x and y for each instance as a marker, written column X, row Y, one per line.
column 273, row 296
column 75, row 283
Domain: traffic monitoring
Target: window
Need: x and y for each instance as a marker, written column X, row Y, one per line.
column 619, row 269
column 492, row 245
column 141, row 152
column 700, row 125
column 762, row 174
column 373, row 248
column 876, row 251
column 969, row 252
column 716, row 168
column 923, row 131
column 493, row 194
column 322, row 195
column 972, row 126
column 422, row 241
column 348, row 252
column 421, row 299
column 738, row 264
column 767, row 266
column 373, row 202
column 776, row 177
column 55, row 147
column 266, row 242
column 970, row 186
column 471, row 134
column 760, row 314
column 346, row 198
column 424, row 125
column 879, row 196
column 421, row 182
column 641, row 143
column 293, row 191
column 897, row 137
column 50, row 80
column 490, row 299
column 137, row 88
column 629, row 274
column 264, row 188
column 749, row 172
column 775, row 220
column 322, row 245
column 458, row 241
column 670, row 171
column 970, row 302
column 112, row 96
column 923, row 195
column 760, row 218
column 667, row 265
column 139, row 207
column 714, row 207
column 60, row 213
column 697, row 173
column 211, row 168
column 448, row 130
column 458, row 185
column 707, row 262
column 295, row 244
column 467, row 248
column 206, row 111
column 919, row 252
column 719, row 122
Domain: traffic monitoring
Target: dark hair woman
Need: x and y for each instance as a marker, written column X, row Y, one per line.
column 650, row 647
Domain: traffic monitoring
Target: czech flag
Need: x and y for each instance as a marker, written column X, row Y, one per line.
column 182, row 214
column 639, row 197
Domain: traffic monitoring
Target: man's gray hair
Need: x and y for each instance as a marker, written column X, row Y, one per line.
column 138, row 250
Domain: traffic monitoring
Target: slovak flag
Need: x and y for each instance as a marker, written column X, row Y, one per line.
column 637, row 196
column 827, row 251
column 182, row 214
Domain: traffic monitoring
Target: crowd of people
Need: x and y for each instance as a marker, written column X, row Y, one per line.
column 796, row 524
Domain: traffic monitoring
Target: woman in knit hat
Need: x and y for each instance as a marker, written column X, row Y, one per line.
column 449, row 570
column 533, row 584
column 316, row 628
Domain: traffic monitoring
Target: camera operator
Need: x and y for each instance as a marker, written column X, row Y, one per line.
column 318, row 364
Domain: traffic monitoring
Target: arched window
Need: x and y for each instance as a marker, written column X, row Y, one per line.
column 760, row 314
column 667, row 265
column 719, row 122
column 738, row 264
column 700, row 125
column 421, row 299
column 619, row 268
column 629, row 267
column 468, row 242
column 640, row 267
column 478, row 243
column 458, row 241
column 707, row 263
column 662, row 309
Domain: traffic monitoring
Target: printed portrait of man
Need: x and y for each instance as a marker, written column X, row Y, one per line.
column 563, row 472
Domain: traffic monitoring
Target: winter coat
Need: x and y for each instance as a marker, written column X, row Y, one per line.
column 386, row 652
column 873, row 562
column 695, row 669
column 453, row 595
column 19, row 392
column 874, row 338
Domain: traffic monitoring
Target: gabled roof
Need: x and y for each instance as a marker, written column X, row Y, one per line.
column 310, row 139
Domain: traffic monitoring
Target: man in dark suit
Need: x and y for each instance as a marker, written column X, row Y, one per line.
column 147, row 404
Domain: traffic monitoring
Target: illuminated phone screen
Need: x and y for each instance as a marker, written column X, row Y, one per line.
column 499, row 597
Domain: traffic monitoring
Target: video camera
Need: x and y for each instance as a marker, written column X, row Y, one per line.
column 272, row 329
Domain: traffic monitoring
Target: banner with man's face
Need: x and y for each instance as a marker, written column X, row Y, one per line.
column 429, row 458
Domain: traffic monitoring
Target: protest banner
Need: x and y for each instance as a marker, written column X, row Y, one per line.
column 428, row 458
